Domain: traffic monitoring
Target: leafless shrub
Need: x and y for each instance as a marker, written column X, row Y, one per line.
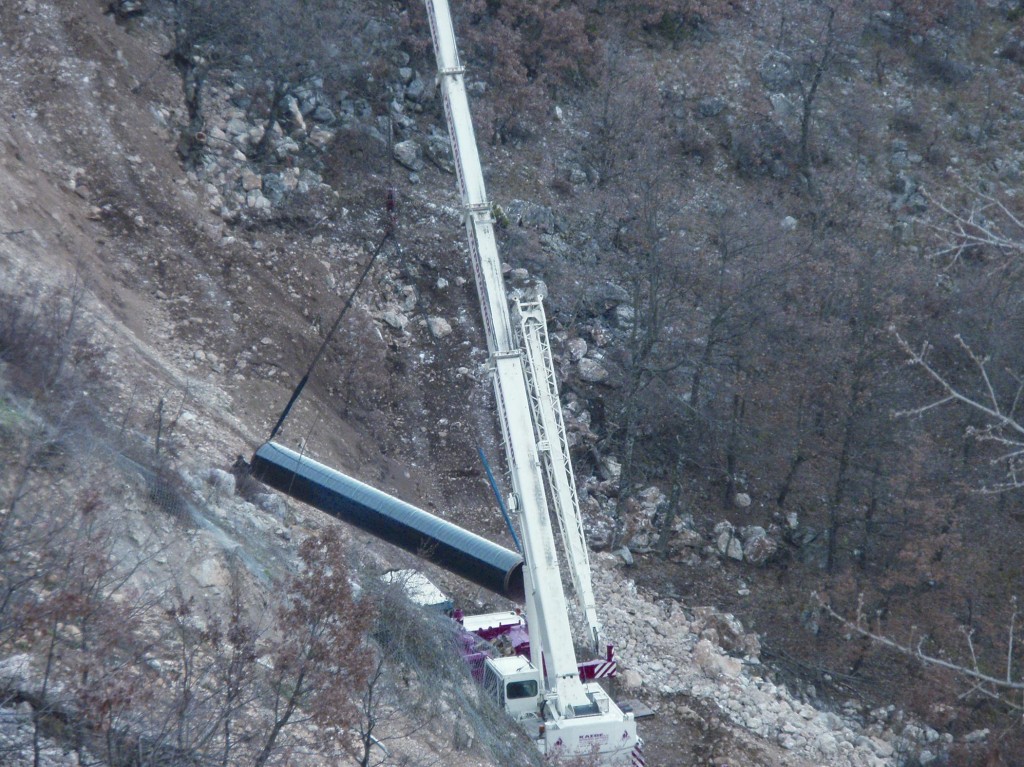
column 1002, row 684
column 420, row 663
column 45, row 337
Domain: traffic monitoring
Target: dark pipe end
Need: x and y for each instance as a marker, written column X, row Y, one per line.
column 515, row 587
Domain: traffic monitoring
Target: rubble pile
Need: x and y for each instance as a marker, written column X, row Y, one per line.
column 668, row 653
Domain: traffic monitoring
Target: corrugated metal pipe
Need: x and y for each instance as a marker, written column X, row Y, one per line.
column 449, row 546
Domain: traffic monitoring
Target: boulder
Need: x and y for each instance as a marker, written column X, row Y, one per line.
column 728, row 630
column 690, row 539
column 535, row 290
column 439, row 327
column 760, row 550
column 251, row 180
column 611, row 293
column 409, row 297
column 577, row 348
column 630, row 679
column 416, row 90
column 782, row 106
column 395, row 319
column 298, row 122
column 592, row 371
column 611, row 469
column 532, row 216
column 409, row 154
column 711, row 106
column 210, row 573
column 439, row 151
column 238, row 128
column 727, row 542
column 286, row 146
column 272, row 503
column 273, row 187
column 256, row 200
column 752, row 532
column 624, row 316
column 123, row 9
column 323, row 114
column 223, row 482
column 713, row 664
column 730, row 546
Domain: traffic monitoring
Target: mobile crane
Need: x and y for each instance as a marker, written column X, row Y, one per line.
column 572, row 718
column 534, row 674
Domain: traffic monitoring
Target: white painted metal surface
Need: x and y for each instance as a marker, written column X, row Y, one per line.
column 554, row 444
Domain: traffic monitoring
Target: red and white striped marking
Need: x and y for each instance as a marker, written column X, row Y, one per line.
column 638, row 754
column 598, row 669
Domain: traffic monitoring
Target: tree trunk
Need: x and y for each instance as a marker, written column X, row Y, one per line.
column 280, row 721
column 869, row 516
column 839, row 491
column 787, row 483
column 276, row 111
column 674, row 501
column 731, row 446
column 809, row 94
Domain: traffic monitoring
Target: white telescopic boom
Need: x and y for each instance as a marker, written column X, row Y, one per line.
column 546, row 603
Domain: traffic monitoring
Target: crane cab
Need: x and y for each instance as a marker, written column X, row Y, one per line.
column 515, row 684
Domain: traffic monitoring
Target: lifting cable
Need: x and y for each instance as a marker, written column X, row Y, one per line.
column 390, row 230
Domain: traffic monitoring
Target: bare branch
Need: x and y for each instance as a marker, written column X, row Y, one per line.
column 1004, row 429
column 1000, row 688
column 987, row 222
column 1009, row 641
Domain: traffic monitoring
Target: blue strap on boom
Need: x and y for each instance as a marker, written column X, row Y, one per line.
column 501, row 503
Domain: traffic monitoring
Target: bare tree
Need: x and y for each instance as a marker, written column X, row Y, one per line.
column 1007, row 688
column 989, row 229
column 975, row 365
column 732, row 282
column 321, row 658
column 270, row 46
column 998, row 403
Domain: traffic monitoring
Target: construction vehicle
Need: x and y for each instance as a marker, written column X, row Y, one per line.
column 531, row 667
column 569, row 717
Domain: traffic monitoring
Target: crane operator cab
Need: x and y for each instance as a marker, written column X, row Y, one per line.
column 515, row 684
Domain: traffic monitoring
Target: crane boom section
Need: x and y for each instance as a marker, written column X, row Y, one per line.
column 548, row 616
column 486, row 264
column 554, row 445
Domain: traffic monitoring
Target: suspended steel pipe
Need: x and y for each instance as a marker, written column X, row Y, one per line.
column 449, row 546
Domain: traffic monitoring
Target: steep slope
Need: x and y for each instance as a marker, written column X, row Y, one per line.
column 205, row 311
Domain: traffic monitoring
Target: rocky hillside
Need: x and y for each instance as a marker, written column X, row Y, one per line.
column 746, row 219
